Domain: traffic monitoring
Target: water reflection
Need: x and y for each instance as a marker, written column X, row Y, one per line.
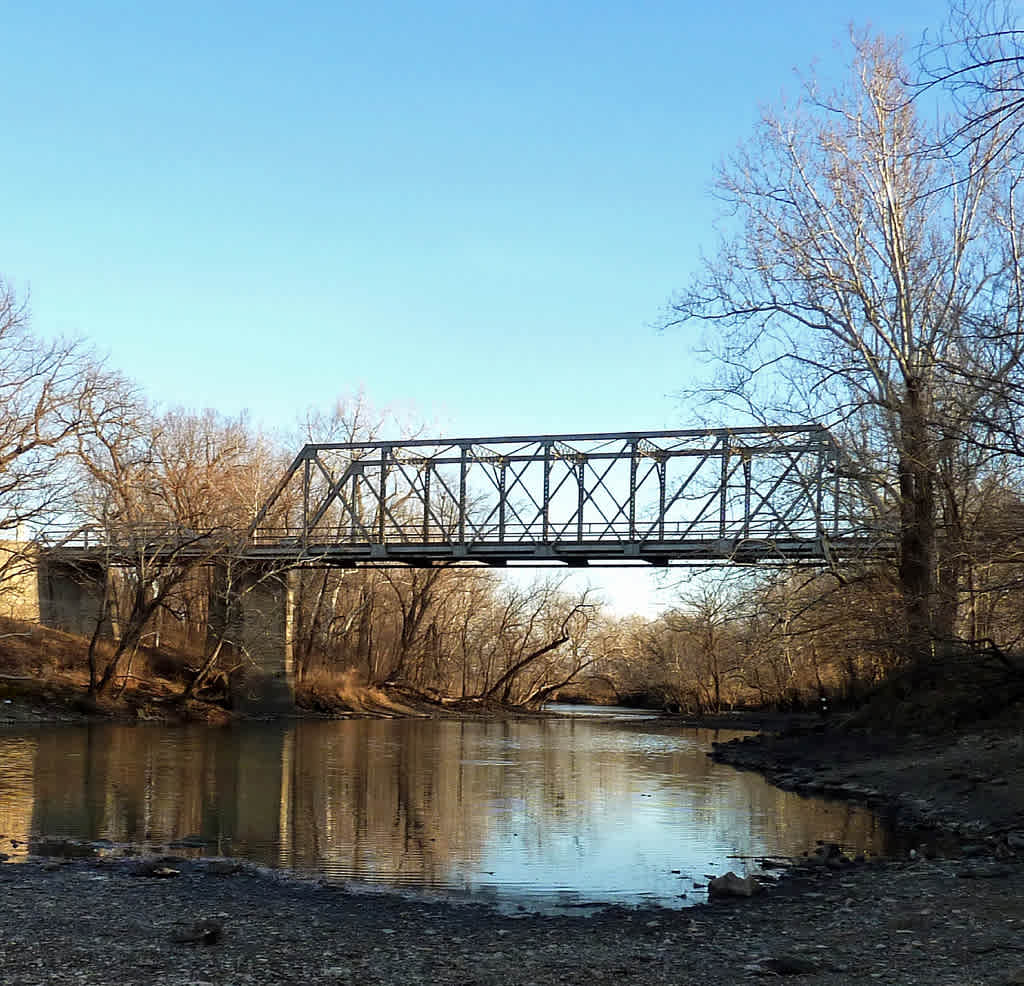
column 578, row 808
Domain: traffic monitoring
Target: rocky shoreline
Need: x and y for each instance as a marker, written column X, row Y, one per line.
column 179, row 922
column 950, row 910
column 965, row 785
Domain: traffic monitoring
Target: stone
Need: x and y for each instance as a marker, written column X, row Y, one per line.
column 222, row 867
column 64, row 848
column 984, row 871
column 205, row 932
column 789, row 965
column 731, row 885
column 153, row 868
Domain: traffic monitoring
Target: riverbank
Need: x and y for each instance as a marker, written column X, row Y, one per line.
column 176, row 922
column 949, row 910
column 963, row 784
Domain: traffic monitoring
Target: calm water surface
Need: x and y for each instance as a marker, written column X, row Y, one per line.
column 543, row 813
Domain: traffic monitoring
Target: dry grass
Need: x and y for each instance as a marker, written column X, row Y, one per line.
column 332, row 692
column 49, row 668
column 45, row 667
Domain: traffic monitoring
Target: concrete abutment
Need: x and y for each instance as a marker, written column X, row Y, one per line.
column 43, row 588
column 73, row 597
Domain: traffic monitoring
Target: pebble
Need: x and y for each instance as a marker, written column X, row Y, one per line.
column 984, row 871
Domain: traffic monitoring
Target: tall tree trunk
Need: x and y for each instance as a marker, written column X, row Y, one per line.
column 917, row 571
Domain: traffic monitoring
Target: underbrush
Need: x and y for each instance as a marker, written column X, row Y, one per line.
column 40, row 666
column 334, row 692
column 953, row 688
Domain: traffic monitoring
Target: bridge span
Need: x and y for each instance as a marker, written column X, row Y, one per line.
column 692, row 497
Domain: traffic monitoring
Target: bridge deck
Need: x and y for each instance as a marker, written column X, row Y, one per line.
column 690, row 552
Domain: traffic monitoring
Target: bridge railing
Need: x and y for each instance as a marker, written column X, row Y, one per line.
column 516, row 533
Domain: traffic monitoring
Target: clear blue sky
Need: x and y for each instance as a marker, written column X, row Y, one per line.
column 478, row 209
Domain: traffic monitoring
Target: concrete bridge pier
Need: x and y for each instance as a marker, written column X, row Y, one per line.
column 71, row 597
column 252, row 610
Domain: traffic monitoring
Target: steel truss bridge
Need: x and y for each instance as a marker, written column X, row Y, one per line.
column 694, row 497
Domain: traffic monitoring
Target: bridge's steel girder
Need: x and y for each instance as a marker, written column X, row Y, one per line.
column 697, row 496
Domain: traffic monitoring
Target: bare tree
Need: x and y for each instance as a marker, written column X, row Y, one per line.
column 44, row 386
column 545, row 648
column 977, row 59
column 159, row 489
column 865, row 289
column 711, row 617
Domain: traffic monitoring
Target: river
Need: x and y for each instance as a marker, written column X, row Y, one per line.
column 542, row 814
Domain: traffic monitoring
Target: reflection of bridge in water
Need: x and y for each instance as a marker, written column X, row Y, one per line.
column 571, row 807
column 694, row 497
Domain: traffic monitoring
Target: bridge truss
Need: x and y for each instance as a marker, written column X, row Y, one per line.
column 693, row 497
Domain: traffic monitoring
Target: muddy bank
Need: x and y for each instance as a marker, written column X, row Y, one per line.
column 967, row 784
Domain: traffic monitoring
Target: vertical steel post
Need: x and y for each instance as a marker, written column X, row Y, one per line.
column 631, row 536
column 662, row 483
column 582, row 477
column 382, row 492
column 426, row 502
column 353, row 503
column 746, row 493
column 545, row 503
column 723, row 488
column 462, row 494
column 502, row 469
column 819, row 491
column 305, row 502
column 835, row 504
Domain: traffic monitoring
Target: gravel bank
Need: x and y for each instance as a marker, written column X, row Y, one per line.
column 942, row 921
